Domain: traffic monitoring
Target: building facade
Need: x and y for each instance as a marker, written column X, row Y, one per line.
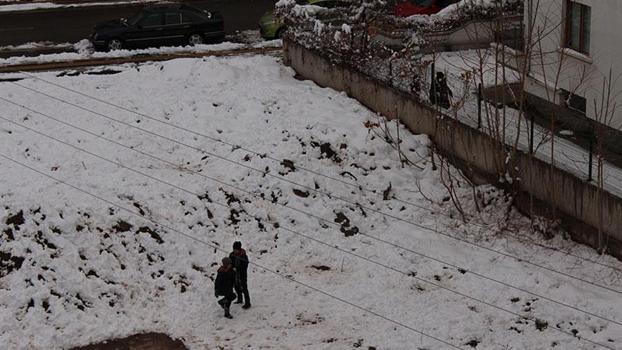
column 575, row 56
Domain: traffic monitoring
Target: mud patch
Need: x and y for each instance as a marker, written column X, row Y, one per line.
column 152, row 341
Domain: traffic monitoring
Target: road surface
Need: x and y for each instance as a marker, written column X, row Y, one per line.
column 73, row 24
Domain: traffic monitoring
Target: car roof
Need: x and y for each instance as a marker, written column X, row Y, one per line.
column 164, row 8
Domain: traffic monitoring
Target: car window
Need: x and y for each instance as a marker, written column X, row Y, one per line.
column 189, row 17
column 172, row 18
column 135, row 19
column 152, row 20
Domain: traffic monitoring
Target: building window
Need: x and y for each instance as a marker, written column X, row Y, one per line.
column 574, row 102
column 578, row 23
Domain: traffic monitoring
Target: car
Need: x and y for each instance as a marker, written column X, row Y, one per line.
column 160, row 26
column 272, row 27
column 420, row 7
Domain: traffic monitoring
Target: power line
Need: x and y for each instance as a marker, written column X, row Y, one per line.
column 457, row 267
column 267, row 156
column 289, row 278
column 306, row 236
column 463, row 240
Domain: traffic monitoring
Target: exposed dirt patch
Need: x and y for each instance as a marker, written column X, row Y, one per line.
column 151, row 341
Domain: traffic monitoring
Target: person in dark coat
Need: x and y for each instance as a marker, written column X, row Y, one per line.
column 440, row 92
column 240, row 265
column 223, row 286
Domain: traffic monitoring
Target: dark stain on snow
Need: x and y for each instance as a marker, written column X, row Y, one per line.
column 231, row 198
column 300, row 193
column 139, row 207
column 122, row 226
column 472, row 343
column 106, row 71
column 8, row 232
column 541, row 325
column 152, row 233
column 386, row 194
column 16, row 220
column 344, row 173
column 43, row 241
column 9, row 263
column 326, row 151
column 342, row 219
column 288, row 164
column 73, row 73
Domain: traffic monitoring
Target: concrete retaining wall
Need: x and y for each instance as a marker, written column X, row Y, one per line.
column 580, row 205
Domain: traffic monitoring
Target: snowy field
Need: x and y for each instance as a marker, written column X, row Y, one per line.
column 114, row 219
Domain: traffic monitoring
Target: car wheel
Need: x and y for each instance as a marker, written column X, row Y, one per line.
column 195, row 39
column 115, row 44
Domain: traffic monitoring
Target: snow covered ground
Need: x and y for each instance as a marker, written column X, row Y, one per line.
column 144, row 206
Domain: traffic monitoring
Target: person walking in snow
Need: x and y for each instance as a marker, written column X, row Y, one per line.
column 223, row 286
column 240, row 264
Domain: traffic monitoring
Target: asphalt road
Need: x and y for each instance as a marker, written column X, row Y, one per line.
column 74, row 24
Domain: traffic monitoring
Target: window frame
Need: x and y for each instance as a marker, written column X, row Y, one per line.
column 584, row 30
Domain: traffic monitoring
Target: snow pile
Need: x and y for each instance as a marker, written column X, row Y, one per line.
column 35, row 45
column 84, row 47
column 29, row 6
column 465, row 9
column 75, row 269
column 475, row 6
column 85, row 51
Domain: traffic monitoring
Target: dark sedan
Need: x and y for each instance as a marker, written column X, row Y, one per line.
column 160, row 26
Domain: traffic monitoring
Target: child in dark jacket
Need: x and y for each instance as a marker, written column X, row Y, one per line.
column 223, row 286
